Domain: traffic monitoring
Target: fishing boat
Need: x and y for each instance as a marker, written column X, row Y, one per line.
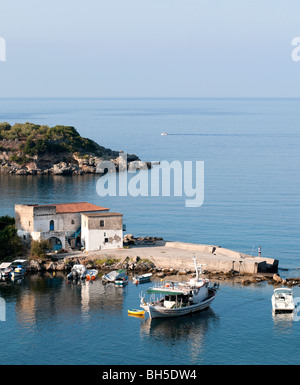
column 142, row 278
column 112, row 276
column 283, row 301
column 77, row 272
column 178, row 299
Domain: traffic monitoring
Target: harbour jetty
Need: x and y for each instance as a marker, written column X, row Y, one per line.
column 178, row 255
column 165, row 256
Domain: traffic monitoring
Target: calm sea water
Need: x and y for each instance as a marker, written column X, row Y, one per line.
column 250, row 148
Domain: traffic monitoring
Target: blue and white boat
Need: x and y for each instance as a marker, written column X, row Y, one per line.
column 121, row 280
column 142, row 278
column 112, row 275
column 18, row 268
column 5, row 270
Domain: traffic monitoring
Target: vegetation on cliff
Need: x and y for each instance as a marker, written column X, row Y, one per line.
column 38, row 139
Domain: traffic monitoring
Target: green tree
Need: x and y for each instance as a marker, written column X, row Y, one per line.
column 10, row 243
column 39, row 248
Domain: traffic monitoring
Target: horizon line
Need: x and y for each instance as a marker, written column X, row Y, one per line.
column 149, row 97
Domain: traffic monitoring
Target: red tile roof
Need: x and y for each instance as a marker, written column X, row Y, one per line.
column 77, row 207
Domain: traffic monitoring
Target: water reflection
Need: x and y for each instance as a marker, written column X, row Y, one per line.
column 39, row 298
column 283, row 322
column 190, row 329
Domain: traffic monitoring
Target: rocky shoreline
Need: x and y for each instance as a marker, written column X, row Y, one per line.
column 141, row 266
column 72, row 164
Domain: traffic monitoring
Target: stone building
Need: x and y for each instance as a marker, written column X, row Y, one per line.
column 102, row 230
column 63, row 225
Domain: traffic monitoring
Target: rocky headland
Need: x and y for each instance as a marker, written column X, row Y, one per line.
column 31, row 149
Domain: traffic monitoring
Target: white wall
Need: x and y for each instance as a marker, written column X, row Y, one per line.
column 94, row 239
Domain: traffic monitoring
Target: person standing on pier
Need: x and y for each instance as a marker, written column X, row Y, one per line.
column 259, row 251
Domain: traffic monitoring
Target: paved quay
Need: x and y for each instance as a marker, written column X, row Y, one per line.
column 179, row 255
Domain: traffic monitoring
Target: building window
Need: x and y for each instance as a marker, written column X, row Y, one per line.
column 52, row 225
column 105, row 240
column 102, row 223
column 72, row 221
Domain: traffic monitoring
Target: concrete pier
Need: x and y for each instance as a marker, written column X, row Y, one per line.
column 180, row 255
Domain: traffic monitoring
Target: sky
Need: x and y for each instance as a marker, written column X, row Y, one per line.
column 149, row 48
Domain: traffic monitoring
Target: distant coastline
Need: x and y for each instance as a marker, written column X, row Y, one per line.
column 32, row 149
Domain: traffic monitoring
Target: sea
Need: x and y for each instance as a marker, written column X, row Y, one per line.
column 250, row 185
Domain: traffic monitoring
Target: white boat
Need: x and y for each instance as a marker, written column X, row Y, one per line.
column 91, row 274
column 180, row 298
column 77, row 272
column 142, row 278
column 112, row 276
column 283, row 301
column 164, row 133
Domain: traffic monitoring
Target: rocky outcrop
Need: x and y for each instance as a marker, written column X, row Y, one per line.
column 129, row 239
column 71, row 164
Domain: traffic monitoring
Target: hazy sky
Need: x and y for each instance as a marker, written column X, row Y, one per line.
column 148, row 48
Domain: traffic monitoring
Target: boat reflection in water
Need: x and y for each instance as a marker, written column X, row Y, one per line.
column 42, row 297
column 191, row 330
column 283, row 321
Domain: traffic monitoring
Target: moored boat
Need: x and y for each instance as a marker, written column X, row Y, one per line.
column 142, row 278
column 180, row 298
column 112, row 276
column 18, row 268
column 136, row 312
column 77, row 272
column 91, row 274
column 5, row 270
column 121, row 280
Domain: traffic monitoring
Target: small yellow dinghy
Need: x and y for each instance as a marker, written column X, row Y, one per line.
column 136, row 312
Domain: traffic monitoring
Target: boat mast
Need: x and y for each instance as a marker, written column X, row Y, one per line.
column 197, row 268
